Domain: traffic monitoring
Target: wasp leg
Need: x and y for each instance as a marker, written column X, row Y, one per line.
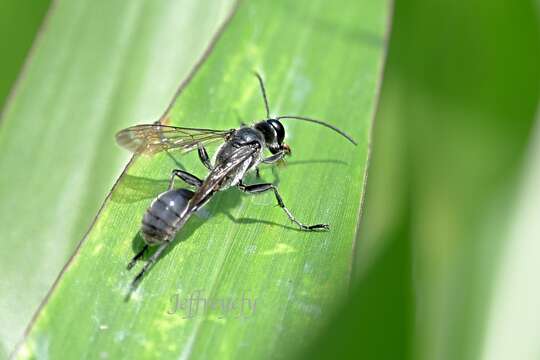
column 259, row 188
column 203, row 156
column 137, row 257
column 257, row 172
column 274, row 158
column 151, row 261
column 186, row 177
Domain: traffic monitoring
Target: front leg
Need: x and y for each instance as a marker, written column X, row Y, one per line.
column 274, row 158
column 259, row 188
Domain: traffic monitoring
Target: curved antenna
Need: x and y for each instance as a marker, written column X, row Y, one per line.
column 261, row 83
column 320, row 122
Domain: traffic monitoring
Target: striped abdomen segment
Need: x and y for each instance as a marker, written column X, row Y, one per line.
column 163, row 218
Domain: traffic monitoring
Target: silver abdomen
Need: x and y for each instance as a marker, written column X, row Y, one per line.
column 165, row 216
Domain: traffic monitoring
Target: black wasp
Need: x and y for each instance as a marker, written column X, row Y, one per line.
column 241, row 151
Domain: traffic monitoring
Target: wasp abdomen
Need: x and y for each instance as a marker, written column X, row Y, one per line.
column 162, row 219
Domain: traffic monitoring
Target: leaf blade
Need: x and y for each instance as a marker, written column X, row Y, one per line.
column 294, row 275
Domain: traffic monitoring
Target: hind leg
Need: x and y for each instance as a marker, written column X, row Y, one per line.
column 137, row 257
column 151, row 261
column 259, row 188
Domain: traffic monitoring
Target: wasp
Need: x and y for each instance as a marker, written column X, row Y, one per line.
column 242, row 150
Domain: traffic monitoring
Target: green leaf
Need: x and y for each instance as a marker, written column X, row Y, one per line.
column 318, row 59
column 96, row 67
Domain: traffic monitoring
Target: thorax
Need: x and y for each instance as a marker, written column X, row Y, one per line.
column 243, row 137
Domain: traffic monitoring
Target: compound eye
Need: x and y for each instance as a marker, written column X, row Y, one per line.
column 280, row 130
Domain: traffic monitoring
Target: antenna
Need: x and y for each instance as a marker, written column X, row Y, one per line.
column 320, row 122
column 261, row 82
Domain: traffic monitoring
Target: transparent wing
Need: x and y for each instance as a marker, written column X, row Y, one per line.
column 153, row 138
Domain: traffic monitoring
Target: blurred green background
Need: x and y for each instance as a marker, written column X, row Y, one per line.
column 19, row 24
column 452, row 143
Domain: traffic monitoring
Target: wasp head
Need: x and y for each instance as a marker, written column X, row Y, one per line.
column 274, row 134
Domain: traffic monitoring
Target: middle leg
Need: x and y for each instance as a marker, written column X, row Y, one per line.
column 186, row 177
column 203, row 156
